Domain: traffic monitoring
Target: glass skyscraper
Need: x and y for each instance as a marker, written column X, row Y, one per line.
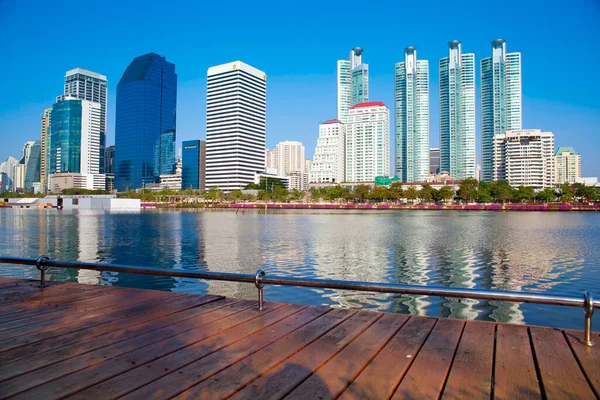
column 501, row 104
column 32, row 166
column 145, row 128
column 193, row 165
column 411, row 104
column 353, row 82
column 457, row 113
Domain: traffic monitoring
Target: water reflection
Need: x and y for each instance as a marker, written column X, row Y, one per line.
column 553, row 252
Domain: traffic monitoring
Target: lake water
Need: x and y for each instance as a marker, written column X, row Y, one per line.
column 558, row 253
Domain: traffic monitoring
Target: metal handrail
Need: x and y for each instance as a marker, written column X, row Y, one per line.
column 260, row 279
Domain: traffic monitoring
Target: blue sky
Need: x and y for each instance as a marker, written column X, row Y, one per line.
column 297, row 45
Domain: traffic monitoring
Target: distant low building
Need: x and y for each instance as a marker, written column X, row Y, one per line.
column 60, row 181
column 567, row 164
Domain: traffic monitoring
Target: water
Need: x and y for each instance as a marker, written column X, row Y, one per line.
column 543, row 252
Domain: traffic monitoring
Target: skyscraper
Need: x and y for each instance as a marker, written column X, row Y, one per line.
column 329, row 163
column 567, row 165
column 353, row 82
column 457, row 113
column 290, row 161
column 236, row 107
column 367, row 142
column 145, row 128
column 87, row 85
column 500, row 102
column 434, row 161
column 411, row 103
column 109, row 160
column 44, row 148
column 193, row 165
column 32, row 166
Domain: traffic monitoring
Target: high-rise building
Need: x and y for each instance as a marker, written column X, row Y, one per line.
column 288, row 157
column 525, row 157
column 193, row 165
column 457, row 113
column 74, row 145
column 352, row 81
column 434, row 161
column 270, row 167
column 567, row 165
column 236, row 107
column 367, row 142
column 329, row 162
column 500, row 102
column 32, row 166
column 145, row 128
column 44, row 148
column 8, row 172
column 91, row 86
column 411, row 103
column 109, row 160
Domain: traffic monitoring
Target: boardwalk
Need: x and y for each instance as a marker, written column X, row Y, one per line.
column 97, row 342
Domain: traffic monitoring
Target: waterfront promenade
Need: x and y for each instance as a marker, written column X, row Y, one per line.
column 85, row 341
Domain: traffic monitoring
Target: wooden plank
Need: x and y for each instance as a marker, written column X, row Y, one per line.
column 7, row 281
column 515, row 376
column 234, row 378
column 471, row 373
column 561, row 376
column 330, row 377
column 427, row 375
column 290, row 316
column 78, row 373
column 588, row 357
column 184, row 378
column 48, row 349
column 22, row 287
column 379, row 379
column 98, row 306
column 28, row 358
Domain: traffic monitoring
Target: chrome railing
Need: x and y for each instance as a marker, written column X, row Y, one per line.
column 260, row 279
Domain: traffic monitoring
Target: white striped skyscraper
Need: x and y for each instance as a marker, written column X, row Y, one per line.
column 235, row 125
column 353, row 82
column 411, row 104
column 500, row 102
column 457, row 113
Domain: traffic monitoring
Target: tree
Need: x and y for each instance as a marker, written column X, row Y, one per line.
column 445, row 193
column 547, row 195
column 524, row 193
column 566, row 192
column 426, row 193
column 361, row 192
column 396, row 188
column 411, row 194
column 468, row 189
column 501, row 191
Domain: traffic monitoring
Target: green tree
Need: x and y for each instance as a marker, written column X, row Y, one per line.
column 501, row 191
column 524, row 193
column 361, row 192
column 467, row 190
column 396, row 188
column 566, row 192
column 445, row 193
column 547, row 195
column 411, row 194
column 426, row 193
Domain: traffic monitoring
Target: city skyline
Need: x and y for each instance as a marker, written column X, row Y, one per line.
column 310, row 87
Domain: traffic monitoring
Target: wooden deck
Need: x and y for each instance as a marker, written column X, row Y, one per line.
column 97, row 342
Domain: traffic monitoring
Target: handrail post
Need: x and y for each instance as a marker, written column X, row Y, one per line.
column 589, row 312
column 40, row 264
column 259, row 285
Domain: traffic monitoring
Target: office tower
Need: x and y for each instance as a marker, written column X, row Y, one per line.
column 352, row 81
column 567, row 165
column 367, row 142
column 235, row 125
column 75, row 137
column 87, row 85
column 329, row 163
column 32, row 166
column 411, row 103
column 500, row 101
column 434, row 161
column 109, row 160
column 44, row 148
column 525, row 157
column 193, row 165
column 457, row 113
column 145, row 128
column 8, row 172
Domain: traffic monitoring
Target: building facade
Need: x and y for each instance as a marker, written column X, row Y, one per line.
column 434, row 161
column 567, row 164
column 45, row 139
column 193, row 165
column 109, row 160
column 525, row 157
column 145, row 127
column 235, row 125
column 501, row 103
column 352, row 82
column 289, row 159
column 457, row 113
column 367, row 146
column 32, row 167
column 411, row 105
column 91, row 86
column 328, row 164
